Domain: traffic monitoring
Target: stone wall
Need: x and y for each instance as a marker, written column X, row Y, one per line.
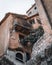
column 42, row 51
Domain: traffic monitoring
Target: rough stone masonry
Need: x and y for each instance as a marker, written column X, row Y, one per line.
column 42, row 51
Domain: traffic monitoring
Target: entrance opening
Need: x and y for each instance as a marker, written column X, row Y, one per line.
column 19, row 57
column 27, row 56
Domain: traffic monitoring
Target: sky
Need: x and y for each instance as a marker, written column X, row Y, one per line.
column 15, row 6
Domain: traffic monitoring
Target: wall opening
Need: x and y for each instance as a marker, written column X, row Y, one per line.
column 19, row 57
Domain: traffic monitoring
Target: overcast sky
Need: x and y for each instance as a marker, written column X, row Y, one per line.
column 15, row 6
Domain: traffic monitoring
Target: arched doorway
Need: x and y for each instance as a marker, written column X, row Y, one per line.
column 19, row 56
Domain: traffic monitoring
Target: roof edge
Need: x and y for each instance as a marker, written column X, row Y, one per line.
column 31, row 7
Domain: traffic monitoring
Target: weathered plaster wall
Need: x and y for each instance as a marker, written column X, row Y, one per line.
column 5, row 34
column 48, row 6
column 43, row 16
column 14, row 40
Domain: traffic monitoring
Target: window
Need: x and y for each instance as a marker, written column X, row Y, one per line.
column 35, row 8
column 32, row 21
column 21, row 37
column 39, row 21
column 29, row 13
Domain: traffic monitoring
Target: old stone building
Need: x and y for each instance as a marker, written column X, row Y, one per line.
column 14, row 28
column 28, row 38
column 33, row 16
column 42, row 49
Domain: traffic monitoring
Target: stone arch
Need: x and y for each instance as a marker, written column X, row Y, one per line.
column 20, row 55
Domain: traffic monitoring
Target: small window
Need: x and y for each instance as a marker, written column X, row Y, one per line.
column 35, row 8
column 29, row 13
column 32, row 21
column 39, row 21
column 21, row 37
